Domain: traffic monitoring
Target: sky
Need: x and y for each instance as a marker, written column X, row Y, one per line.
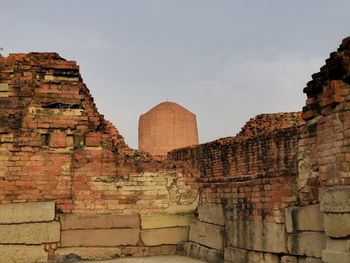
column 224, row 60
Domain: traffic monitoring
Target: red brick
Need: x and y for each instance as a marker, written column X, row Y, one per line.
column 58, row 140
column 93, row 139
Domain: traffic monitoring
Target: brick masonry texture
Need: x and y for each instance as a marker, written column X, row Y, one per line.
column 56, row 146
column 254, row 177
column 276, row 176
column 265, row 123
column 258, row 196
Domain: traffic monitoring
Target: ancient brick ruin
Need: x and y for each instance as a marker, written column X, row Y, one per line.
column 70, row 188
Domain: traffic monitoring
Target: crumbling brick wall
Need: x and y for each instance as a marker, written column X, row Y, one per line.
column 55, row 146
column 264, row 123
column 275, row 193
column 255, row 172
column 246, row 183
column 324, row 150
column 279, row 195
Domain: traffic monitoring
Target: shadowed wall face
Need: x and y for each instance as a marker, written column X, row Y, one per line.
column 165, row 127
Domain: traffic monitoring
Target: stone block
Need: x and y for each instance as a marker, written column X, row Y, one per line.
column 337, row 225
column 335, row 199
column 99, row 237
column 209, row 235
column 22, row 254
column 262, row 257
column 211, row 213
column 190, row 207
column 181, row 248
column 206, row 254
column 27, row 212
column 73, row 221
column 138, row 251
column 7, row 138
column 260, row 236
column 58, row 79
column 289, row 219
column 310, row 244
column 313, row 260
column 71, row 112
column 31, row 233
column 163, row 236
column 85, row 253
column 237, row 255
column 289, row 259
column 335, row 257
column 336, row 244
column 4, row 87
column 307, row 218
column 310, row 218
column 163, row 221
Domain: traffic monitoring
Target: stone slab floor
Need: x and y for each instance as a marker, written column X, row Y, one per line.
column 155, row 259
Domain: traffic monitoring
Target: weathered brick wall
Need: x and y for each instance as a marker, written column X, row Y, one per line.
column 279, row 195
column 276, row 192
column 29, row 232
column 246, row 182
column 328, row 119
column 264, row 123
column 324, row 150
column 56, row 146
column 256, row 174
column 249, row 208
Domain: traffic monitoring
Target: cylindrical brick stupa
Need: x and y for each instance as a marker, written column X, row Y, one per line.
column 165, row 127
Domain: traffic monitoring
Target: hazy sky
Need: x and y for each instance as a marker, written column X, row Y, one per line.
column 226, row 61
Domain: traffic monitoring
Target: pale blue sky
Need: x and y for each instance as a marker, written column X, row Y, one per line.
column 224, row 60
